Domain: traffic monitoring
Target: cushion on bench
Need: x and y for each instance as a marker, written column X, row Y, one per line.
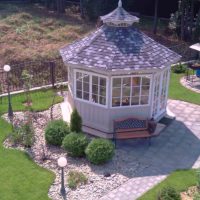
column 130, row 124
column 134, row 128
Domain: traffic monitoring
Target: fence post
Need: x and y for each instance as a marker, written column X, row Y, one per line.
column 52, row 72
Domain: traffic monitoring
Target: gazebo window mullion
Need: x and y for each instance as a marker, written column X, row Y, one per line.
column 140, row 91
column 90, row 89
column 131, row 91
column 121, row 92
column 98, row 90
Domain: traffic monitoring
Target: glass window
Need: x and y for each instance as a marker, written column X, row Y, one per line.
column 145, row 90
column 145, row 81
column 116, row 102
column 136, row 81
column 144, row 100
column 95, row 94
column 135, row 100
column 79, row 94
column 129, row 91
column 117, row 82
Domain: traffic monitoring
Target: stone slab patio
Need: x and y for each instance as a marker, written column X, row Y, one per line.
column 178, row 147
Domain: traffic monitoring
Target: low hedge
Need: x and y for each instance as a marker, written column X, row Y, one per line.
column 75, row 144
column 169, row 193
column 179, row 68
column 55, row 132
column 99, row 151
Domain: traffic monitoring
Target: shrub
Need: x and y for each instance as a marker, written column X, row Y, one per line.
column 196, row 196
column 16, row 136
column 99, row 151
column 198, row 178
column 24, row 135
column 55, row 132
column 75, row 179
column 75, row 144
column 75, row 122
column 28, row 135
column 169, row 193
column 178, row 69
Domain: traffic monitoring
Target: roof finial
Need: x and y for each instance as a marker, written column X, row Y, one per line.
column 120, row 3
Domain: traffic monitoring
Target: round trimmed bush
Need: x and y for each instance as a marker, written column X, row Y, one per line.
column 99, row 151
column 178, row 69
column 75, row 144
column 169, row 193
column 56, row 131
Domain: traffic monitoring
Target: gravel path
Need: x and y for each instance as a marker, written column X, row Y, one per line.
column 135, row 168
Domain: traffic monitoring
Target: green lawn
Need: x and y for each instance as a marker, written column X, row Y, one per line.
column 178, row 92
column 180, row 180
column 41, row 99
column 20, row 177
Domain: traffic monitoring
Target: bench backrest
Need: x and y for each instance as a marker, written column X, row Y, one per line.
column 130, row 124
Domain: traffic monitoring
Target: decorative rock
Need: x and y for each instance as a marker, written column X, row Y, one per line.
column 99, row 181
column 107, row 174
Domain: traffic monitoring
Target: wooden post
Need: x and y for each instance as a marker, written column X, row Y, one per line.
column 52, row 73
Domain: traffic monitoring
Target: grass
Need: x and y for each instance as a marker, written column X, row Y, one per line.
column 75, row 179
column 20, row 177
column 41, row 100
column 180, row 180
column 29, row 32
column 178, row 92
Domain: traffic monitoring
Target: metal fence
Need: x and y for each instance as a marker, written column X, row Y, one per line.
column 42, row 72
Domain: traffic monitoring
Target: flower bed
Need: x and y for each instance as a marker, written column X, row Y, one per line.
column 100, row 179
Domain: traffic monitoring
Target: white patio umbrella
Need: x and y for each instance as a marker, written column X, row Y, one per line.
column 196, row 47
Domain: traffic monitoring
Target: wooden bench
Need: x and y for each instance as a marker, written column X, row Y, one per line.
column 132, row 128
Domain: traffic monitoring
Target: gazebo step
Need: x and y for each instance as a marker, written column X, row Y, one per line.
column 141, row 134
column 97, row 133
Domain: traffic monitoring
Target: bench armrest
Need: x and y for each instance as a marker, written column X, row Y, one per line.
column 152, row 126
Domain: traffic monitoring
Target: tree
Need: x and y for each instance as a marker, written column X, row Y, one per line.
column 155, row 17
column 82, row 9
column 184, row 22
column 60, row 6
column 57, row 5
column 48, row 3
column 26, row 77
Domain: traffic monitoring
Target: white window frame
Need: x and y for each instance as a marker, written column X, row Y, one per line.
column 160, row 75
column 131, row 76
column 90, row 88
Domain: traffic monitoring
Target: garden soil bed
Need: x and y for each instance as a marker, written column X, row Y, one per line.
column 121, row 168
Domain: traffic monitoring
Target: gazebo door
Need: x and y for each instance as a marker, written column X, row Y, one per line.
column 156, row 96
column 161, row 82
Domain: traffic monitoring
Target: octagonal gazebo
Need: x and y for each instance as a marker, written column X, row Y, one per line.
column 117, row 72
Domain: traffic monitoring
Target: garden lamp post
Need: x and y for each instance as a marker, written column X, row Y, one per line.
column 62, row 162
column 7, row 69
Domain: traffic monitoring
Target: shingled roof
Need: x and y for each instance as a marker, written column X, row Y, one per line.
column 117, row 48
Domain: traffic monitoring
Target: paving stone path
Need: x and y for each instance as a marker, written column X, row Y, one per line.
column 191, row 85
column 178, row 147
